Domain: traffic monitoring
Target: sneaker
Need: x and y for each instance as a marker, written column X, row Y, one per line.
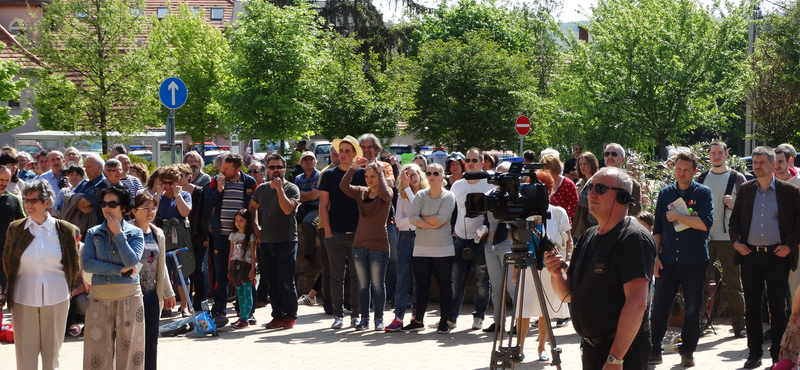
column 338, row 322
column 687, row 360
column 288, row 323
column 165, row 314
column 450, row 324
column 560, row 323
column 378, row 324
column 477, row 323
column 362, row 325
column 414, row 326
column 274, row 324
column 396, row 325
column 739, row 332
column 185, row 313
column 443, row 330
column 353, row 322
column 490, row 329
column 655, row 359
column 252, row 320
column 306, row 300
column 240, row 324
column 75, row 330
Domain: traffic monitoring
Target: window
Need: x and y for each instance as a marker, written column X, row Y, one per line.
column 15, row 28
column 195, row 10
column 136, row 12
column 216, row 14
column 13, row 104
column 162, row 12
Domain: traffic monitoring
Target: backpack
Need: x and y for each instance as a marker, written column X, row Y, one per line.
column 732, row 175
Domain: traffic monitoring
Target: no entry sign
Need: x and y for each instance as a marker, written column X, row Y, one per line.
column 523, row 125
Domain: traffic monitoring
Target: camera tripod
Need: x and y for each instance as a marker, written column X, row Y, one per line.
column 521, row 233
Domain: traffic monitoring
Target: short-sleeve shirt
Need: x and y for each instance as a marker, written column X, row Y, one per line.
column 149, row 272
column 132, row 183
column 241, row 252
column 168, row 207
column 570, row 165
column 344, row 210
column 601, row 266
column 307, row 184
column 276, row 226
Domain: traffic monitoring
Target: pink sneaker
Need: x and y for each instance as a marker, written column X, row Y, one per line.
column 396, row 325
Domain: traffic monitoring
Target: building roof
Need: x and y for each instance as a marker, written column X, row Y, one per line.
column 24, row 2
column 13, row 50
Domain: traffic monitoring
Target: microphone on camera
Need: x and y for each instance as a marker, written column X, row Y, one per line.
column 477, row 175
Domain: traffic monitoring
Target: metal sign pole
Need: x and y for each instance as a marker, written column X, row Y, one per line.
column 520, row 145
column 171, row 134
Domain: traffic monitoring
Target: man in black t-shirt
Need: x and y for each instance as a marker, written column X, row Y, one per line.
column 608, row 280
column 338, row 214
column 571, row 166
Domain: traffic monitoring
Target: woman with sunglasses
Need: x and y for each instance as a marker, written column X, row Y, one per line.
column 410, row 181
column 173, row 209
column 434, row 252
column 587, row 167
column 41, row 259
column 371, row 241
column 154, row 282
column 114, row 331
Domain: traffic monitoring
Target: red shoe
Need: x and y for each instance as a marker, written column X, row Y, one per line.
column 274, row 324
column 288, row 323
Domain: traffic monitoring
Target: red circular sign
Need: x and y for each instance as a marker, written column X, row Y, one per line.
column 523, row 125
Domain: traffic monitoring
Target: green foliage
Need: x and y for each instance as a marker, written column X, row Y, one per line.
column 210, row 169
column 186, row 46
column 95, row 77
column 655, row 69
column 151, row 165
column 10, row 89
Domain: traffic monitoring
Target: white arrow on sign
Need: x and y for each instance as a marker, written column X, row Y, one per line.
column 172, row 87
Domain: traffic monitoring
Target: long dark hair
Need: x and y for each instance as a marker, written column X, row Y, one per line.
column 248, row 225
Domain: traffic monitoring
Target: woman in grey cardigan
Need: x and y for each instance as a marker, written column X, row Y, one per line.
column 431, row 210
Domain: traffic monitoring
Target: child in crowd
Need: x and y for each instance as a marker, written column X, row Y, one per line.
column 646, row 219
column 242, row 268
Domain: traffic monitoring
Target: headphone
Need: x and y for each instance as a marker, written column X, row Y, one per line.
column 623, row 197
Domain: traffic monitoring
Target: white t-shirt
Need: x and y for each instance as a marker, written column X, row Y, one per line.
column 439, row 157
column 241, row 252
column 466, row 227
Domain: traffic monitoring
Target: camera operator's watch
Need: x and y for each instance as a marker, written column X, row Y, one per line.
column 613, row 360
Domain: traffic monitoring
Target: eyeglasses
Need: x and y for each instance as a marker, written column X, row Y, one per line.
column 32, row 201
column 473, row 160
column 146, row 209
column 167, row 183
column 113, row 204
column 612, row 154
column 251, row 172
column 276, row 168
column 577, row 149
column 434, row 173
column 601, row 188
column 119, row 170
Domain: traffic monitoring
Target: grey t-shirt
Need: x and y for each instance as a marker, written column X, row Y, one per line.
column 717, row 182
column 276, row 226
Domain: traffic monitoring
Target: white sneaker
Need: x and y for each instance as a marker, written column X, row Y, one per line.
column 477, row 324
column 306, row 300
column 450, row 324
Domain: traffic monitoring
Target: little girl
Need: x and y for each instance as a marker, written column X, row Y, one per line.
column 242, row 269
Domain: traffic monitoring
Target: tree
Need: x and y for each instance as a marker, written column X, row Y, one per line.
column 272, row 74
column 10, row 89
column 188, row 47
column 95, row 77
column 470, row 93
column 655, row 69
column 775, row 91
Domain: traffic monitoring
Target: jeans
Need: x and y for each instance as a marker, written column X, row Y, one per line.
column 391, row 269
column 405, row 251
column 723, row 250
column 594, row 358
column 307, row 223
column 339, row 249
column 757, row 268
column 151, row 317
column 495, row 266
column 278, row 265
column 222, row 250
column 370, row 266
column 461, row 268
column 691, row 279
column 442, row 267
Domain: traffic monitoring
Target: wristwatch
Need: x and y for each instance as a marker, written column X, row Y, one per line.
column 613, row 360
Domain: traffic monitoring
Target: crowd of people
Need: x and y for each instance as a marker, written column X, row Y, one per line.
column 86, row 242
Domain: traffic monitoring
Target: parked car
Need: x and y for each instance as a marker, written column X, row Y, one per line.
column 322, row 149
column 31, row 147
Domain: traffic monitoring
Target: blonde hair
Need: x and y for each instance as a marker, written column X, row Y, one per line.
column 423, row 180
column 439, row 168
column 552, row 164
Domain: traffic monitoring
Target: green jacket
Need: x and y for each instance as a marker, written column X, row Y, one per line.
column 18, row 239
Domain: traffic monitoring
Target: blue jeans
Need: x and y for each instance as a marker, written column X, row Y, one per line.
column 278, row 265
column 405, row 252
column 222, row 249
column 370, row 266
column 391, row 269
column 691, row 279
column 461, row 269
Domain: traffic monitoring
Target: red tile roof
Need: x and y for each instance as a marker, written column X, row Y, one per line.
column 12, row 50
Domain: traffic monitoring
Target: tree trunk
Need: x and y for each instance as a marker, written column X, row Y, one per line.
column 662, row 147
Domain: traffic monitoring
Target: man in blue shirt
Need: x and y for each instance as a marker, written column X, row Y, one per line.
column 308, row 212
column 682, row 245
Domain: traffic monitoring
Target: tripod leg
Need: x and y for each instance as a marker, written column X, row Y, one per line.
column 556, row 352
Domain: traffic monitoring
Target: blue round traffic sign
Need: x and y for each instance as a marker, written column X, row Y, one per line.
column 173, row 93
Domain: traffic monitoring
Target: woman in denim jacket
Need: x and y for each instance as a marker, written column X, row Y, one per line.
column 115, row 317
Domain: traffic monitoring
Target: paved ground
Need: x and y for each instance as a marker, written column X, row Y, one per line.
column 313, row 345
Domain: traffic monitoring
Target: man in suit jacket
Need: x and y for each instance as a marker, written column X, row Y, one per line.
column 764, row 230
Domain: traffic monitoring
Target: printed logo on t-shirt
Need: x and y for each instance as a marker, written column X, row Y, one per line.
column 599, row 267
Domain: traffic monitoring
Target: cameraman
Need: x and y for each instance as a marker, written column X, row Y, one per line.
column 465, row 232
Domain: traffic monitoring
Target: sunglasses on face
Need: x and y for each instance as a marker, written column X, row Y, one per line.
column 601, row 188
column 434, row 173
column 612, row 154
column 275, row 168
column 251, row 172
column 168, row 182
column 32, row 201
column 473, row 160
column 115, row 204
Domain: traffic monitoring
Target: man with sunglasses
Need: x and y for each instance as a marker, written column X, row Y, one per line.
column 614, row 156
column 681, row 236
column 257, row 170
column 570, row 167
column 612, row 263
column 274, row 206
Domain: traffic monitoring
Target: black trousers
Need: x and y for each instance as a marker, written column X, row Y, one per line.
column 594, row 358
column 757, row 268
column 151, row 317
column 197, row 279
column 442, row 267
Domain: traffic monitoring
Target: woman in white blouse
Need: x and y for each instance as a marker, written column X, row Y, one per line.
column 42, row 261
